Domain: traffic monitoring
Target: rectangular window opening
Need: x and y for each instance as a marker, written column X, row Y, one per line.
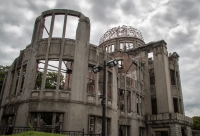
column 121, row 46
column 113, row 48
column 109, row 85
column 46, row 119
column 172, row 75
column 121, row 99
column 154, row 106
column 46, row 26
column 40, row 71
column 52, row 73
column 72, row 25
column 128, row 100
column 150, row 56
column 17, row 80
column 58, row 26
column 120, row 64
column 175, row 102
column 91, row 81
column 66, row 78
column 23, row 78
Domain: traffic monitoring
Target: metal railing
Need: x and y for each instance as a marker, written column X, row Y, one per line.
column 9, row 130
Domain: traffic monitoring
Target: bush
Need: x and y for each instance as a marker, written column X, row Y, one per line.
column 36, row 133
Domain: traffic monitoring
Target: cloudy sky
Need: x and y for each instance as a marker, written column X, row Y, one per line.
column 175, row 21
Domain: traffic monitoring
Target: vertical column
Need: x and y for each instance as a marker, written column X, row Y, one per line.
column 96, row 88
column 47, row 55
column 147, row 91
column 54, row 120
column 61, row 55
column 125, row 100
column 79, row 76
column 162, row 79
column 180, row 91
column 38, row 119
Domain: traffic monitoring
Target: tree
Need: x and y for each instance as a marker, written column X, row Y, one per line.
column 196, row 121
column 51, row 80
column 3, row 72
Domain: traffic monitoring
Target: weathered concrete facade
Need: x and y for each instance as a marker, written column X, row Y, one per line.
column 144, row 95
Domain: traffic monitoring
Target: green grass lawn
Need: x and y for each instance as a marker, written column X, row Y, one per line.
column 36, row 133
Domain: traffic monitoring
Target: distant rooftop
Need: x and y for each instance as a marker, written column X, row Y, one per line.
column 124, row 31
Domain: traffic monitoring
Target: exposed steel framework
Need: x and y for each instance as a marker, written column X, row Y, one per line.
column 124, row 31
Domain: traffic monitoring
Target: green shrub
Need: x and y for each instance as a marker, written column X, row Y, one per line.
column 36, row 133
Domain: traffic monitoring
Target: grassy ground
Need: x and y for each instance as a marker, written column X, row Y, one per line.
column 35, row 133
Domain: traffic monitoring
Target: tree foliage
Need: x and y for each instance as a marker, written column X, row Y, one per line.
column 51, row 80
column 3, row 72
column 196, row 121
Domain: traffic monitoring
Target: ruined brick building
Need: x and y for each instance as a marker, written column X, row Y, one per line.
column 144, row 95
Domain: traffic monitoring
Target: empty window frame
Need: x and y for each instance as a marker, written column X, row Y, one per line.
column 66, row 78
column 137, row 105
column 46, row 26
column 72, row 24
column 100, row 83
column 112, row 48
column 109, row 85
column 128, row 100
column 150, row 55
column 46, row 119
column 121, row 100
column 52, row 73
column 39, row 75
column 172, row 75
column 120, row 64
column 58, row 26
column 91, row 81
column 152, row 77
column 127, row 46
column 11, row 83
column 154, row 105
column 17, row 80
column 131, row 45
column 176, row 106
column 23, row 77
column 122, row 46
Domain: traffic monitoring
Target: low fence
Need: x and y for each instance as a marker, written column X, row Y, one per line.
column 9, row 130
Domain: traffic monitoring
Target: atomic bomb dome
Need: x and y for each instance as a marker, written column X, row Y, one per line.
column 124, row 31
column 53, row 85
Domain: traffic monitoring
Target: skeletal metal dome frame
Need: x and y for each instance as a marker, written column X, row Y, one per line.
column 124, row 31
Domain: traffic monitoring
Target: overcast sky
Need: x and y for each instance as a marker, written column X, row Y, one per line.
column 175, row 21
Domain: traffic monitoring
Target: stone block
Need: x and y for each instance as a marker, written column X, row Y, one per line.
column 153, row 117
column 166, row 116
column 109, row 103
column 159, row 117
column 48, row 94
column 64, row 95
column 90, row 99
column 174, row 116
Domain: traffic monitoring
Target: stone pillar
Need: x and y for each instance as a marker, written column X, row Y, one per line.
column 61, row 55
column 162, row 79
column 54, row 120
column 147, row 91
column 47, row 55
column 188, row 131
column 175, row 130
column 125, row 96
column 80, row 67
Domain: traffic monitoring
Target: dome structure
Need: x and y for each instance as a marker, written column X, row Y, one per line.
column 124, row 31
